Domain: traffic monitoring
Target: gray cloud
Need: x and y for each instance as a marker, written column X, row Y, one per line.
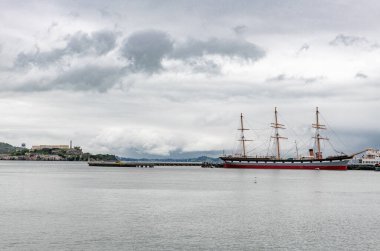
column 98, row 43
column 52, row 26
column 214, row 46
column 361, row 139
column 204, row 66
column 346, row 40
column 303, row 48
column 73, row 14
column 284, row 77
column 38, row 58
column 263, row 16
column 239, row 29
column 146, row 50
column 361, row 75
column 88, row 78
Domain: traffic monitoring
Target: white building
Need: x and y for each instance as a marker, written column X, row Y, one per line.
column 40, row 147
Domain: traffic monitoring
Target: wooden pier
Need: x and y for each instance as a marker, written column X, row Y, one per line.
column 144, row 164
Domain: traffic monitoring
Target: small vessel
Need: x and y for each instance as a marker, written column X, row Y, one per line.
column 370, row 157
column 315, row 161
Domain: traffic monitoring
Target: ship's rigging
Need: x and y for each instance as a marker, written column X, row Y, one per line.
column 277, row 138
column 242, row 137
column 318, row 136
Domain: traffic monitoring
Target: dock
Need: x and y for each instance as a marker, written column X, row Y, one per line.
column 144, row 164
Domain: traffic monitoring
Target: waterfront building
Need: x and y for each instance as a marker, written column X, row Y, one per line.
column 40, row 147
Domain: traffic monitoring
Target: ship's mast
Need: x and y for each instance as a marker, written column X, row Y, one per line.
column 277, row 136
column 242, row 137
column 317, row 136
column 295, row 142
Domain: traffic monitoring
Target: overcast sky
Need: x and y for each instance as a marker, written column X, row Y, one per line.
column 170, row 78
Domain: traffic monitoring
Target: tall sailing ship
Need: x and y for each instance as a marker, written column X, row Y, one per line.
column 315, row 161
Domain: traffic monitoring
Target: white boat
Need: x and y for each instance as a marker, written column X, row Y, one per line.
column 370, row 157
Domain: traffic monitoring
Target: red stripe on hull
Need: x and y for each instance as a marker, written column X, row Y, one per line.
column 298, row 167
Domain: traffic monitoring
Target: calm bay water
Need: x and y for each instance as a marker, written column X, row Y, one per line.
column 70, row 206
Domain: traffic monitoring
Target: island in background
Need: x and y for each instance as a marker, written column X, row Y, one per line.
column 51, row 153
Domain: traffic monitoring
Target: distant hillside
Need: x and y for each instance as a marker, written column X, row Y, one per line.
column 6, row 148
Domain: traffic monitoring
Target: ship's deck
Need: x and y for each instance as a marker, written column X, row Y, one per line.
column 269, row 160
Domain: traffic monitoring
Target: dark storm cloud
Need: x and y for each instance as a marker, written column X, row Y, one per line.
column 146, row 50
column 98, row 43
column 88, row 78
